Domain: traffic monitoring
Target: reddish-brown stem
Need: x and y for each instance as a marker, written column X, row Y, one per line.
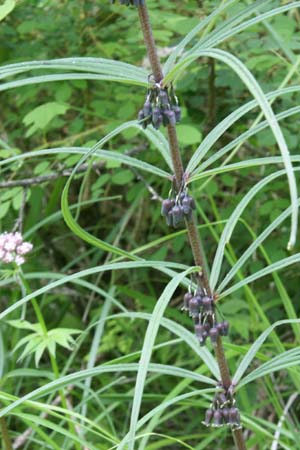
column 150, row 43
column 193, row 234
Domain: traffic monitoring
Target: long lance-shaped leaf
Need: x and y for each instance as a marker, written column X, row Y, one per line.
column 232, row 221
column 278, row 265
column 158, row 265
column 189, row 37
column 186, row 335
column 157, row 139
column 95, row 65
column 53, row 386
column 284, row 361
column 250, row 355
column 163, row 406
column 70, row 221
column 255, row 162
column 255, row 89
column 149, row 341
column 106, row 155
column 250, row 250
column 216, row 38
column 243, row 138
column 66, row 77
column 225, row 124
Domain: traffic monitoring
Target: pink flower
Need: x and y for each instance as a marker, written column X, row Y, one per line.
column 24, row 248
column 12, row 248
column 8, row 258
column 19, row 260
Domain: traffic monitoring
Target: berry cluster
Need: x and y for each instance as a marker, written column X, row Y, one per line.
column 130, row 2
column 175, row 210
column 223, row 412
column 160, row 108
column 13, row 248
column 202, row 309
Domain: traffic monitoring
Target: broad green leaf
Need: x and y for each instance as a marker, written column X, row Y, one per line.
column 188, row 134
column 6, row 8
column 40, row 117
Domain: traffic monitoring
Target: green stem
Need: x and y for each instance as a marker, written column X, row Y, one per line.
column 54, row 365
column 5, row 436
column 194, row 238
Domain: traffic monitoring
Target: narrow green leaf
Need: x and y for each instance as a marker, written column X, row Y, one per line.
column 248, row 358
column 255, row 89
column 278, row 265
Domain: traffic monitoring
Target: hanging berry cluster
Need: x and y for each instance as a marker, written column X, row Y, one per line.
column 202, row 309
column 130, row 2
column 178, row 208
column 223, row 411
column 160, row 108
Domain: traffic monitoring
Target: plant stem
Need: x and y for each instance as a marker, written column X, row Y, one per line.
column 5, row 435
column 194, row 238
column 54, row 365
column 150, row 43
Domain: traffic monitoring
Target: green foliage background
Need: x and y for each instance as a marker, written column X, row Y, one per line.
column 120, row 205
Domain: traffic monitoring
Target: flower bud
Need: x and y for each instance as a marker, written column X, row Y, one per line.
column 207, row 303
column 208, row 417
column 225, row 414
column 147, row 108
column 199, row 330
column 194, row 307
column 213, row 333
column 186, row 299
column 169, row 116
column 166, row 206
column 177, row 215
column 177, row 112
column 234, row 417
column 218, row 418
column 157, row 118
column 203, row 338
column 163, row 98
